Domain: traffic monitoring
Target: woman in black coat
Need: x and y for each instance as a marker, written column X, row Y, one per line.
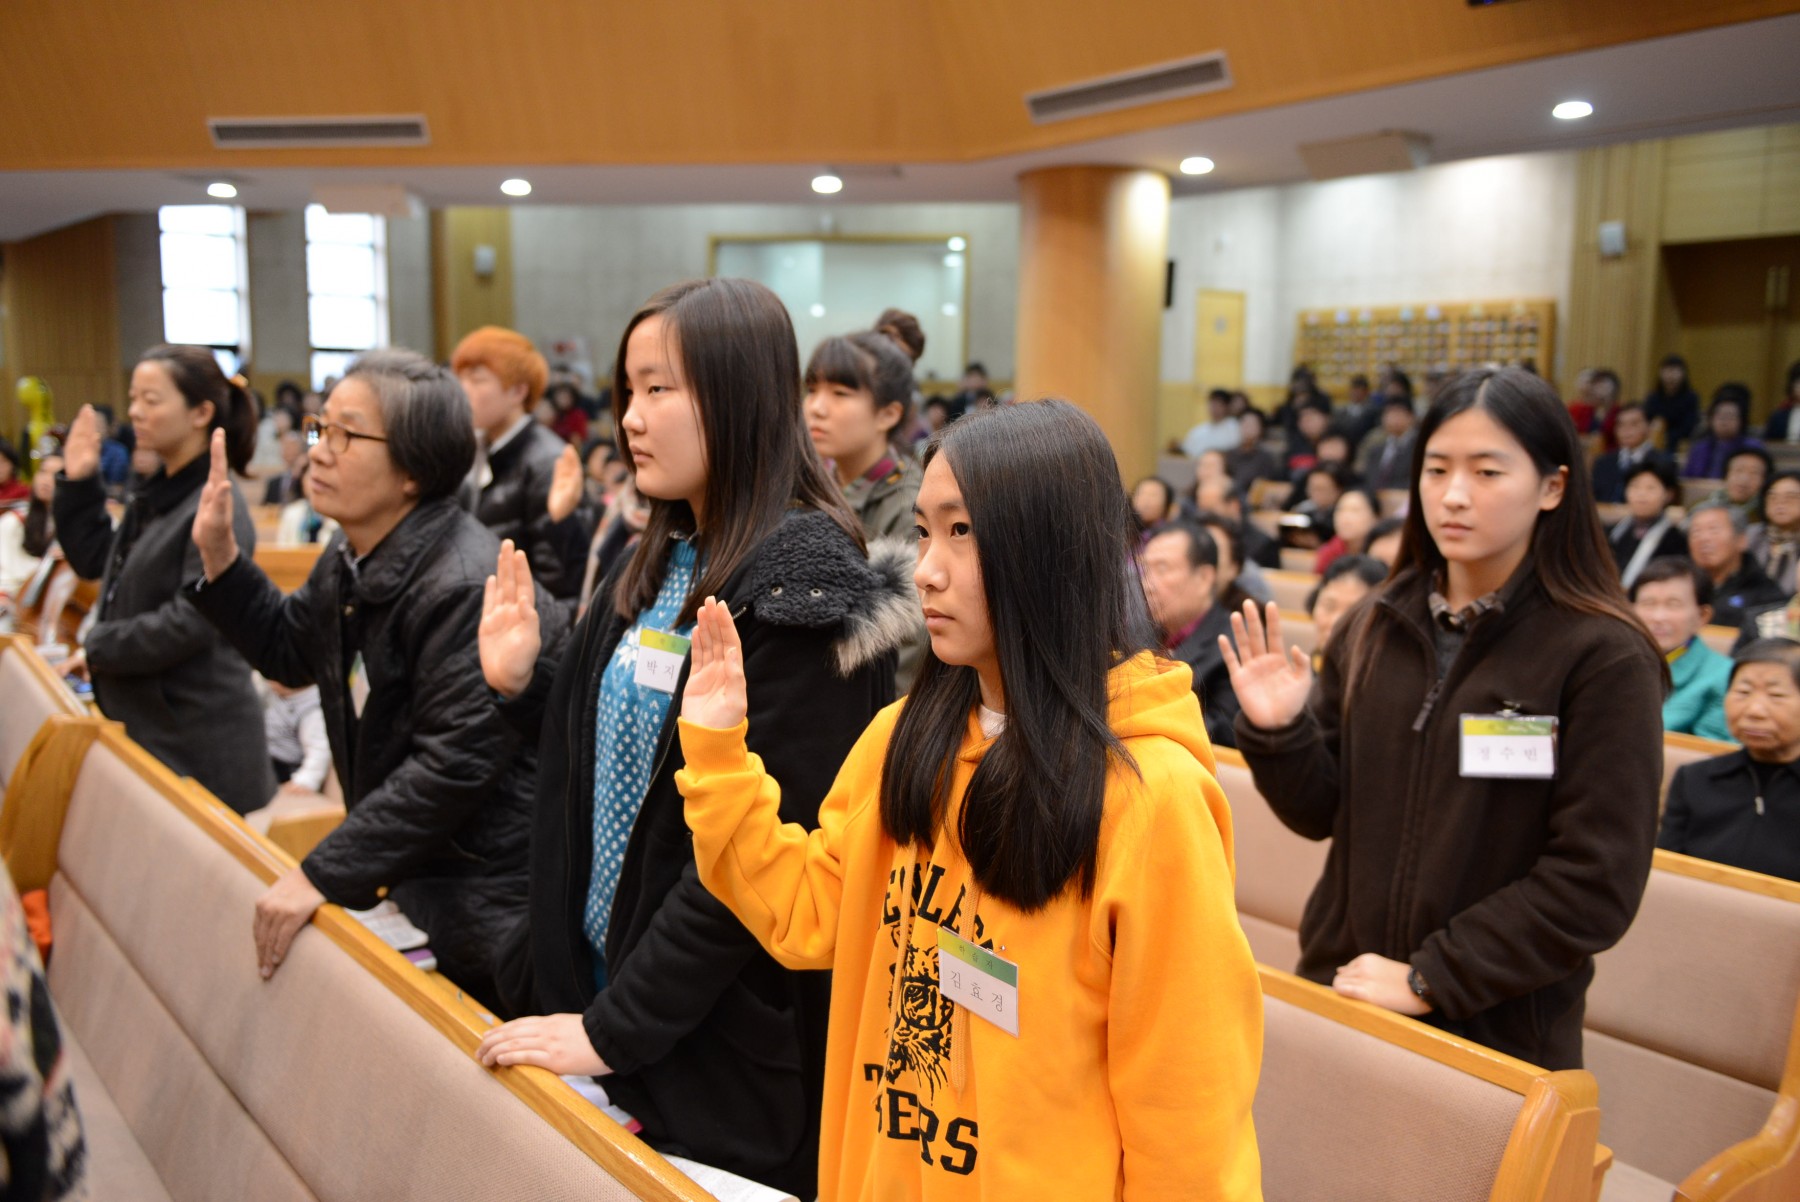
column 1743, row 809
column 438, row 787
column 157, row 666
column 630, row 971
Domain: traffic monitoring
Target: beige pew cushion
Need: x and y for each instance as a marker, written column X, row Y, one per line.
column 1276, row 869
column 1346, row 1116
column 117, row 1167
column 356, row 1095
column 1625, row 1183
column 27, row 703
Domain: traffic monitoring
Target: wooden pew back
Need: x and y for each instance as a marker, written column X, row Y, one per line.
column 1693, row 1020
column 1291, row 589
column 346, row 1076
column 1276, row 869
column 1681, row 750
column 30, row 692
column 1357, row 1104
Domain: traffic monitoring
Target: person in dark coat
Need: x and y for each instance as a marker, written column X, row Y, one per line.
column 1648, row 530
column 1743, row 809
column 1673, row 402
column 1719, row 542
column 1613, row 468
column 437, row 787
column 1181, row 569
column 157, row 666
column 628, row 970
column 1469, row 884
column 512, row 490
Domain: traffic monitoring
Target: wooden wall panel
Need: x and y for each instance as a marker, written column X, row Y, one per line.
column 462, row 300
column 1742, row 183
column 59, row 301
column 1612, row 302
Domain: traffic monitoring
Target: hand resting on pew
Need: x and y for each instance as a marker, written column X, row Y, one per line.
column 1376, row 979
column 289, row 905
column 557, row 1042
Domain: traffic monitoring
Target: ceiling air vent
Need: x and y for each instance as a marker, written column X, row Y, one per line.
column 234, row 133
column 1165, row 81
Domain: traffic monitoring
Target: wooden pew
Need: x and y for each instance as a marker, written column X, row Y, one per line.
column 1291, row 588
column 1298, row 559
column 288, row 567
column 1276, row 869
column 350, row 1074
column 32, row 693
column 1693, row 1031
column 1680, row 750
column 1720, row 638
column 1358, row 1104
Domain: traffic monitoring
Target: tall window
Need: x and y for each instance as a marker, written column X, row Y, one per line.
column 205, row 280
column 346, row 288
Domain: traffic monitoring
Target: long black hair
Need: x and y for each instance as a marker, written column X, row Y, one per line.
column 1054, row 533
column 1571, row 558
column 741, row 364
column 199, row 379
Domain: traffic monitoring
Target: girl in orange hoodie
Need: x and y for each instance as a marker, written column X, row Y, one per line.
column 1022, row 877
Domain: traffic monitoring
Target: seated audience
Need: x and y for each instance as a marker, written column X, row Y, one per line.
column 1673, row 404
column 1250, row 461
column 1181, row 576
column 1743, row 809
column 518, row 460
column 1312, row 422
column 1717, row 542
column 1348, row 580
column 1154, row 503
column 1595, row 405
column 1747, row 471
column 1724, row 437
column 606, row 471
column 1240, row 579
column 13, row 486
column 284, row 488
column 1332, row 451
column 1784, row 423
column 1221, row 498
column 571, row 421
column 1359, row 414
column 1353, row 519
column 182, row 692
column 1385, row 538
column 1775, row 541
column 1385, row 458
column 1647, row 531
column 1324, row 485
column 1674, row 599
column 1612, row 468
column 1303, row 392
column 1219, row 432
column 438, row 788
column 299, row 747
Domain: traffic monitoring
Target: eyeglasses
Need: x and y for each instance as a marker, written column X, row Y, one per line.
column 333, row 435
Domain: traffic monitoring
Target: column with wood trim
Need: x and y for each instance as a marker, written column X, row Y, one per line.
column 1093, row 252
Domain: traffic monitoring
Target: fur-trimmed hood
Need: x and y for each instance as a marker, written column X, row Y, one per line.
column 809, row 573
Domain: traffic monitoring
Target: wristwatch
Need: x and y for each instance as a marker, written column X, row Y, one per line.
column 1415, row 981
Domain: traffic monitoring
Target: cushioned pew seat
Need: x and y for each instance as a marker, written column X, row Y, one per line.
column 29, row 693
column 117, row 1167
column 1276, row 869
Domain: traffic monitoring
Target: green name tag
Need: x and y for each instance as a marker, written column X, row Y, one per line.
column 978, row 980
column 1508, row 746
column 660, row 656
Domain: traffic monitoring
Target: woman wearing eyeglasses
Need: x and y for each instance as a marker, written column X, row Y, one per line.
column 438, row 788
column 183, row 694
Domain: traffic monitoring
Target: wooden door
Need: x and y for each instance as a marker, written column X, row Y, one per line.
column 1218, row 340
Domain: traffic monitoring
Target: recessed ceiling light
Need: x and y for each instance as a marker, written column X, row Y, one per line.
column 1572, row 110
column 817, row 310
column 827, row 184
column 1196, row 165
column 516, row 187
column 959, row 244
column 221, row 190
column 953, row 261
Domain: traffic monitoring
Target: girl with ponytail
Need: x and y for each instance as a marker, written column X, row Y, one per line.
column 156, row 663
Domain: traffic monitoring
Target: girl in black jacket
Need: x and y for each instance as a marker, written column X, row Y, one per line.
column 158, row 666
column 1483, row 745
column 643, row 978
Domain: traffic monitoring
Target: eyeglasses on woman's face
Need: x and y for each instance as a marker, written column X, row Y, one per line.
column 332, row 434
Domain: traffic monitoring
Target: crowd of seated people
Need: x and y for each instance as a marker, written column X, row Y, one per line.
column 559, row 673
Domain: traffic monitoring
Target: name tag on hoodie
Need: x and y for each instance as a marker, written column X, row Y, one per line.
column 1508, row 746
column 978, row 980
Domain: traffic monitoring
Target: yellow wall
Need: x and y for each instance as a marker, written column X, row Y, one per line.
column 462, row 300
column 59, row 297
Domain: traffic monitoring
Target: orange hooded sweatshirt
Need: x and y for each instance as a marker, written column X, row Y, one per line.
column 1139, row 1008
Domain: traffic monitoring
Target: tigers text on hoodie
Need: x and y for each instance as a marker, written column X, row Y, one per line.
column 1139, row 1008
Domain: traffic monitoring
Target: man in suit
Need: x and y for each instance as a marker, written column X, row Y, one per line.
column 1613, row 468
column 1181, row 574
column 1386, row 458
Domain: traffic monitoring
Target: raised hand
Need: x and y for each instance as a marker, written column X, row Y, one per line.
column 212, row 520
column 510, row 639
column 1271, row 682
column 81, row 451
column 566, row 485
column 715, row 689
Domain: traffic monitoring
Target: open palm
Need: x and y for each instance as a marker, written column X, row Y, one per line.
column 81, row 450
column 715, row 694
column 1272, row 682
column 509, row 637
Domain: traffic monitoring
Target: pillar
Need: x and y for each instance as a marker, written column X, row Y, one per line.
column 1093, row 250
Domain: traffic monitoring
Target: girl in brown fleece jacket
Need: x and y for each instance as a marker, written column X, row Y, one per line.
column 1482, row 744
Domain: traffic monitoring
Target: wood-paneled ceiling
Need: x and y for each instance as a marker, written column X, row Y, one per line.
column 130, row 83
